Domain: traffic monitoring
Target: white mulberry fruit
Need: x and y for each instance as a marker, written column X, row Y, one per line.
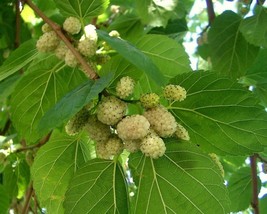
column 47, row 42
column 111, row 110
column 72, row 25
column 161, row 121
column 153, row 146
column 87, row 47
column 114, row 33
column 46, row 28
column 149, row 100
column 125, row 87
column 181, row 132
column 61, row 51
column 174, row 93
column 70, row 59
column 216, row 160
column 77, row 122
column 114, row 146
column 101, row 151
column 132, row 145
column 90, row 33
column 133, row 127
column 97, row 131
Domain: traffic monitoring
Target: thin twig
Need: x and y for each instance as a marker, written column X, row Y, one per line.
column 255, row 199
column 28, row 199
column 92, row 74
column 210, row 9
column 41, row 143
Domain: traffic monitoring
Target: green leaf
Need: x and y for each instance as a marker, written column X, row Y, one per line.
column 134, row 56
column 82, row 9
column 10, row 181
column 73, row 102
column 4, row 201
column 220, row 115
column 98, row 187
column 43, row 85
column 18, row 59
column 231, row 54
column 254, row 29
column 156, row 13
column 240, row 189
column 263, row 204
column 7, row 86
column 53, row 167
column 184, row 180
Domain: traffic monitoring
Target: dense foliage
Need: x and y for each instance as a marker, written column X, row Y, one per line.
column 103, row 112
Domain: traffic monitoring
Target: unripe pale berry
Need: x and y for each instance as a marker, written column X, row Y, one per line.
column 161, row 121
column 114, row 33
column 76, row 124
column 90, row 33
column 153, row 146
column 47, row 42
column 174, row 93
column 61, row 51
column 149, row 100
column 133, row 127
column 72, row 25
column 101, row 151
column 125, row 87
column 216, row 160
column 132, row 145
column 181, row 132
column 87, row 47
column 111, row 110
column 46, row 28
column 70, row 59
column 97, row 131
column 114, row 146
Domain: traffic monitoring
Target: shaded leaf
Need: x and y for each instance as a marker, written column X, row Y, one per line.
column 254, row 29
column 240, row 189
column 220, row 115
column 134, row 56
column 263, row 204
column 4, row 201
column 53, row 167
column 184, row 180
column 73, row 102
column 231, row 54
column 98, row 187
column 18, row 59
column 37, row 91
column 82, row 9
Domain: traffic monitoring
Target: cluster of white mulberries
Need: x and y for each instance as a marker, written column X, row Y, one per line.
column 125, row 87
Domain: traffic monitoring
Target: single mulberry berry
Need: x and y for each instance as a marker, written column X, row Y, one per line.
column 87, row 47
column 61, row 51
column 153, row 146
column 101, row 151
column 97, row 131
column 149, row 100
column 46, row 28
column 132, row 145
column 111, row 110
column 76, row 124
column 114, row 33
column 181, row 132
column 174, row 93
column 70, row 59
column 47, row 42
column 72, row 25
column 114, row 146
column 90, row 33
column 125, row 87
column 133, row 127
column 216, row 160
column 161, row 121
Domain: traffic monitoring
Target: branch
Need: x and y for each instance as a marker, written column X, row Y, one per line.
column 210, row 10
column 255, row 199
column 93, row 75
column 41, row 143
column 28, row 199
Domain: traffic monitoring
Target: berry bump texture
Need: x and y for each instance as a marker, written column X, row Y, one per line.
column 47, row 42
column 174, row 93
column 125, row 87
column 72, row 25
column 149, row 100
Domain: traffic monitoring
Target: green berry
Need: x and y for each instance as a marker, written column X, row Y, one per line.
column 72, row 25
column 114, row 33
column 133, row 127
column 182, row 133
column 125, row 87
column 87, row 47
column 111, row 110
column 47, row 42
column 153, row 146
column 161, row 121
column 149, row 100
column 174, row 93
column 46, row 28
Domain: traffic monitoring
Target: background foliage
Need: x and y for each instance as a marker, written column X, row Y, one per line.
column 44, row 170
